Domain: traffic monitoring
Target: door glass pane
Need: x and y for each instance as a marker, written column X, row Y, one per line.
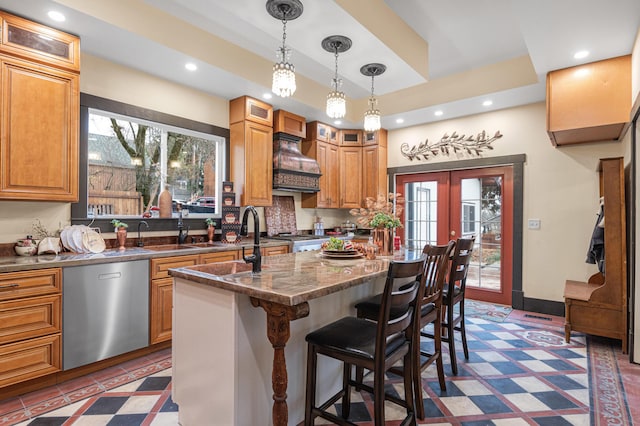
column 421, row 218
column 481, row 215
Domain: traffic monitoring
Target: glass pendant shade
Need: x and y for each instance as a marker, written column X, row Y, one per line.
column 372, row 117
column 284, row 79
column 336, row 104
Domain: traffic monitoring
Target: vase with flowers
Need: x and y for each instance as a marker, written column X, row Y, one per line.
column 382, row 214
column 121, row 233
column 211, row 228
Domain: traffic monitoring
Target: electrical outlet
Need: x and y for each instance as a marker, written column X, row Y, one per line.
column 533, row 224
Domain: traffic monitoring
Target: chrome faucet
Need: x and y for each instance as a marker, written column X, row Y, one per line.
column 142, row 222
column 256, row 258
column 182, row 234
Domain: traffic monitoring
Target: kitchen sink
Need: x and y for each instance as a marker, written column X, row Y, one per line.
column 168, row 247
column 224, row 268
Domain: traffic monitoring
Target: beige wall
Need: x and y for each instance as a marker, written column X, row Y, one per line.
column 560, row 189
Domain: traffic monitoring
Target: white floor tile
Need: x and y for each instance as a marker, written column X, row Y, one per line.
column 531, row 384
column 472, row 387
column 461, row 406
column 526, row 402
column 139, row 404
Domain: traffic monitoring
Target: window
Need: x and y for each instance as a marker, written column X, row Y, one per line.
column 468, row 218
column 132, row 155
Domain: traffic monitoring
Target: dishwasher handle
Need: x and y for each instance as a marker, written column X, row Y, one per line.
column 110, row 276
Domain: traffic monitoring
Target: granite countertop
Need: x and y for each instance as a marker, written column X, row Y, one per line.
column 291, row 279
column 19, row 263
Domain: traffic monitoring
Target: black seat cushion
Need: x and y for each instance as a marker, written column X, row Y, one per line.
column 352, row 335
column 445, row 291
column 427, row 308
column 370, row 308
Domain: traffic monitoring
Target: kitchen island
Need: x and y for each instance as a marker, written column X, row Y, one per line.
column 224, row 369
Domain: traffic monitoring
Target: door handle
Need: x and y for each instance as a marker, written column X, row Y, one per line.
column 452, row 233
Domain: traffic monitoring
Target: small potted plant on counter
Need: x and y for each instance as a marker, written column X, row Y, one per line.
column 211, row 228
column 383, row 216
column 121, row 232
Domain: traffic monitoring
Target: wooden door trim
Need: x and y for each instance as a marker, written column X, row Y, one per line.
column 517, row 162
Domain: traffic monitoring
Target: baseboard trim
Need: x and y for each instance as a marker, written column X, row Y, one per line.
column 541, row 306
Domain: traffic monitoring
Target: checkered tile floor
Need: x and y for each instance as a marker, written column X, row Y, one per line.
column 518, row 373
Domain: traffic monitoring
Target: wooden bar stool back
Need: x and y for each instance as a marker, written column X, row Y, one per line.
column 375, row 346
column 435, row 272
column 453, row 295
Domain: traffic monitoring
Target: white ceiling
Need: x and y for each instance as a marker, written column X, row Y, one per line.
column 440, row 55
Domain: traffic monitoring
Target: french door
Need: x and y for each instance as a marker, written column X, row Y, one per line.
column 441, row 206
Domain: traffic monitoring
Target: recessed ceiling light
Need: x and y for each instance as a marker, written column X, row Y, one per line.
column 337, row 122
column 581, row 54
column 56, row 16
column 267, row 96
column 487, row 103
column 438, row 113
column 400, row 120
column 191, row 66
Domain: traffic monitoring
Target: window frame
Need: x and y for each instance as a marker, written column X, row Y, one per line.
column 87, row 102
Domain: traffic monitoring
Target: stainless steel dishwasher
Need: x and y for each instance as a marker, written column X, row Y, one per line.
column 105, row 311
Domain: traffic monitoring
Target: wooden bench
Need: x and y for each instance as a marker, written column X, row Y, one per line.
column 599, row 306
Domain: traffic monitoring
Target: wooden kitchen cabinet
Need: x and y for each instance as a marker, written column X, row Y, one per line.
column 219, row 256
column 275, row 250
column 326, row 154
column 289, row 123
column 251, row 144
column 30, row 324
column 161, row 298
column 590, row 102
column 350, row 176
column 374, row 166
column 350, row 137
column 39, row 119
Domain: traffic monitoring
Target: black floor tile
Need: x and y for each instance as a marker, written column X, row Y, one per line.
column 490, row 404
column 505, row 386
column 48, row 421
column 127, row 420
column 107, row 405
column 154, row 384
column 554, row 400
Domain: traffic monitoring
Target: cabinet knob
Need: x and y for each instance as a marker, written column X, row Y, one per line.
column 453, row 233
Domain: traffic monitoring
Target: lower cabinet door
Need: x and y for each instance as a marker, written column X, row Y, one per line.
column 161, row 310
column 30, row 317
column 29, row 359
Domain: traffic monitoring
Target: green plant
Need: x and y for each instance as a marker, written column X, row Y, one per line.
column 210, row 222
column 118, row 224
column 384, row 220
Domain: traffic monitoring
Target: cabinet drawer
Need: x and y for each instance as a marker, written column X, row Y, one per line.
column 160, row 267
column 31, row 317
column 221, row 256
column 30, row 283
column 29, row 359
column 272, row 251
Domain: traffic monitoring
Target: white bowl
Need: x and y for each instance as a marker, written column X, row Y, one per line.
column 26, row 251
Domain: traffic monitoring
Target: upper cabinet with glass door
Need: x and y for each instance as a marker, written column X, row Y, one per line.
column 130, row 162
column 39, row 43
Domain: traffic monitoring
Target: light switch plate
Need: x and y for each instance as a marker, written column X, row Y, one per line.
column 533, row 224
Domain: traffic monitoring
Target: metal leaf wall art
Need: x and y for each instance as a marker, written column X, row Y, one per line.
column 451, row 144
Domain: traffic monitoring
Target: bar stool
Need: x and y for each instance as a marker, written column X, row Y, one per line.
column 372, row 345
column 436, row 268
column 453, row 294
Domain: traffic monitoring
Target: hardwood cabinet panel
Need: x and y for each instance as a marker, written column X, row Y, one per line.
column 251, row 154
column 221, row 256
column 30, row 283
column 36, row 42
column 30, row 359
column 161, row 312
column 160, row 266
column 272, row 251
column 30, row 317
column 289, row 123
column 590, row 102
column 374, row 171
column 350, row 177
column 246, row 108
column 350, row 137
column 39, row 132
column 326, row 154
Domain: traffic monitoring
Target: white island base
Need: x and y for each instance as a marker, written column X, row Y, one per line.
column 222, row 359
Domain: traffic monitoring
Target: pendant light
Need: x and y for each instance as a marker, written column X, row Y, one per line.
column 372, row 115
column 336, row 100
column 284, row 76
